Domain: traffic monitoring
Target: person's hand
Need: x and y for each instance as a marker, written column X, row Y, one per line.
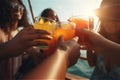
column 65, row 55
column 101, row 45
column 94, row 41
column 93, row 38
column 27, row 38
column 72, row 49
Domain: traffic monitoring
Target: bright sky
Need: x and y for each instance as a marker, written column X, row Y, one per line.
column 64, row 8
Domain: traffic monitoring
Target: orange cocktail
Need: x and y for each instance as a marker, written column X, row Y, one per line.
column 81, row 22
column 45, row 25
column 65, row 29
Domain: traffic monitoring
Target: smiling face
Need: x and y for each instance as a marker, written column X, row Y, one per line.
column 16, row 10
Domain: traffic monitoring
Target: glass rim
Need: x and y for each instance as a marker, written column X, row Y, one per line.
column 84, row 17
column 38, row 18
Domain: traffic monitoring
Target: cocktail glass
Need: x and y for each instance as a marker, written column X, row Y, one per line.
column 45, row 24
column 85, row 22
column 65, row 29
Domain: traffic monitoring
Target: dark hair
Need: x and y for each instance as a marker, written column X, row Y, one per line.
column 48, row 12
column 5, row 14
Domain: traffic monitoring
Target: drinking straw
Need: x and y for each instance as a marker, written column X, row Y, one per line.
column 31, row 10
column 91, row 23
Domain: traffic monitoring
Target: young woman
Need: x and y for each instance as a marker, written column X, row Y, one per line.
column 12, row 16
column 107, row 64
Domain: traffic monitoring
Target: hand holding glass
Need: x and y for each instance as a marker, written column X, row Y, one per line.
column 45, row 24
column 82, row 22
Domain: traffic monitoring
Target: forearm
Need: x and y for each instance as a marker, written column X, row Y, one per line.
column 112, row 48
column 52, row 68
column 112, row 51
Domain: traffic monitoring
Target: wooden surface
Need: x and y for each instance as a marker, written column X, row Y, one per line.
column 74, row 77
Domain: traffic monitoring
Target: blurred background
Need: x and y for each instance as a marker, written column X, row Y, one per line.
column 64, row 8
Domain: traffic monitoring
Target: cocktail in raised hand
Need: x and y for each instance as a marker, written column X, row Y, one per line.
column 65, row 29
column 82, row 21
column 48, row 25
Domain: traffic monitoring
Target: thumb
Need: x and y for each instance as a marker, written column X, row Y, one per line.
column 81, row 31
column 60, row 40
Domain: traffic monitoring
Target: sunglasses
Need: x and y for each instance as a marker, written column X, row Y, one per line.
column 16, row 5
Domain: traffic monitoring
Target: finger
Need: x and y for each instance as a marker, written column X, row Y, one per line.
column 38, row 31
column 37, row 43
column 91, row 57
column 76, row 39
column 61, row 39
column 81, row 31
column 39, row 36
column 31, row 30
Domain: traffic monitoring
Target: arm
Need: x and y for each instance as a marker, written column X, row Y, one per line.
column 52, row 68
column 55, row 66
column 109, row 49
column 21, row 42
